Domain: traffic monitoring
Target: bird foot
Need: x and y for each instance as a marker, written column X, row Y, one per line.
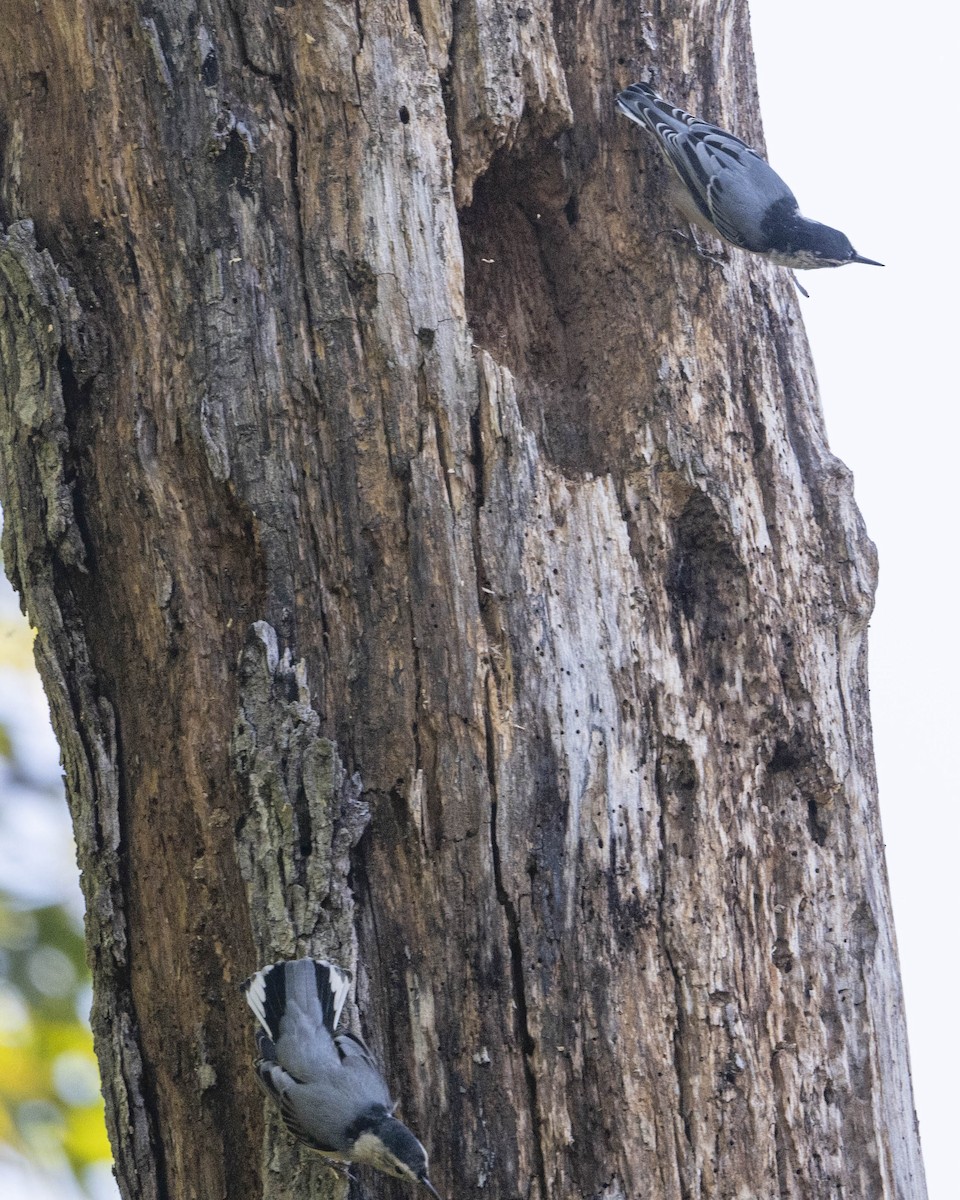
column 341, row 1168
column 711, row 256
column 718, row 258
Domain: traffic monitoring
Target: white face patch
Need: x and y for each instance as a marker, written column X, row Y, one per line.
column 370, row 1150
column 800, row 260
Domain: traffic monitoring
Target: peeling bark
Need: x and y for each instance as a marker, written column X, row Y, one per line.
column 439, row 567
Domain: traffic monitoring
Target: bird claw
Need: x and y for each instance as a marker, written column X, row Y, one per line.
column 341, row 1169
column 691, row 239
column 707, row 255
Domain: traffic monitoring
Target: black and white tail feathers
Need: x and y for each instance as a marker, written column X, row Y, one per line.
column 316, row 985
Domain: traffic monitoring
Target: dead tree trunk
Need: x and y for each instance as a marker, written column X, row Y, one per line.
column 438, row 568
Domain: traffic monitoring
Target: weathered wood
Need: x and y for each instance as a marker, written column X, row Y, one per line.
column 439, row 566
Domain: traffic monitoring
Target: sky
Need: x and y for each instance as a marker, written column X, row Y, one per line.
column 855, row 99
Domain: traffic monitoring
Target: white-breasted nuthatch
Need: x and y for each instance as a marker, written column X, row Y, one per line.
column 730, row 190
column 327, row 1085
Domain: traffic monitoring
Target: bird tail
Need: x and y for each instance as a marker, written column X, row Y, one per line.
column 317, row 988
column 641, row 103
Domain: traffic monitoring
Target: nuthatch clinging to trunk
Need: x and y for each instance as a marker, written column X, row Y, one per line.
column 728, row 188
column 327, row 1085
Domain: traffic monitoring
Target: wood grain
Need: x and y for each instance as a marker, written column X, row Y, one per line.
column 437, row 565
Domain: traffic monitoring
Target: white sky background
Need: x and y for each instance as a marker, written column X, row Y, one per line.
column 859, row 108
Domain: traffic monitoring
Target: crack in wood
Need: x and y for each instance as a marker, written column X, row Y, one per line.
column 527, row 1043
column 680, row 1031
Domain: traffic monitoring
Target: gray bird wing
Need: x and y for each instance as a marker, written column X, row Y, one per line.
column 361, row 1072
column 738, row 186
column 730, row 184
column 302, row 1020
column 295, row 1113
column 323, row 1109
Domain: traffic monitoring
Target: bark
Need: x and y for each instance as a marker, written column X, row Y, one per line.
column 438, row 567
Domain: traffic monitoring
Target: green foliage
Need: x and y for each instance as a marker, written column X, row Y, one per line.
column 51, row 1111
column 50, row 1105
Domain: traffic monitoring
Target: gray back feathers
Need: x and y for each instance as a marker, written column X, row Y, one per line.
column 731, row 185
column 322, row 1081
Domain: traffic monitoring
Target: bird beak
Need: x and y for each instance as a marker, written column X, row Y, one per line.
column 871, row 262
column 430, row 1188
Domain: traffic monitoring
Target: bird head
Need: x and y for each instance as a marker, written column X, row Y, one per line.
column 821, row 246
column 389, row 1146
